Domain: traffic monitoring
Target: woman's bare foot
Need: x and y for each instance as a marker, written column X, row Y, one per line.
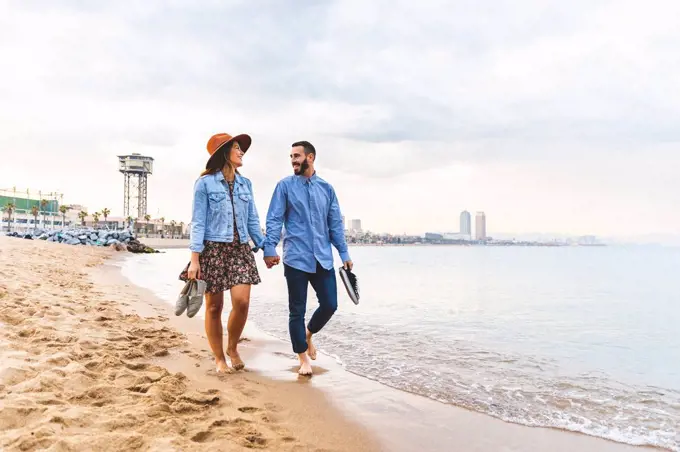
column 222, row 367
column 311, row 350
column 236, row 361
column 305, row 365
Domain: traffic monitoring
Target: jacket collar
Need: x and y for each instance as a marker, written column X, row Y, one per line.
column 219, row 177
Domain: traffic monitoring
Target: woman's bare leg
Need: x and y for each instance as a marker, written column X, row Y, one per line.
column 213, row 328
column 240, row 302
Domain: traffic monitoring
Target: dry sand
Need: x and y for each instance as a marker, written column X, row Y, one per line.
column 84, row 365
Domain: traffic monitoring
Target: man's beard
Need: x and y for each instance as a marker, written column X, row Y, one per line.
column 301, row 170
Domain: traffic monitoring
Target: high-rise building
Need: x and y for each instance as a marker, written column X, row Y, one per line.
column 480, row 226
column 356, row 225
column 465, row 223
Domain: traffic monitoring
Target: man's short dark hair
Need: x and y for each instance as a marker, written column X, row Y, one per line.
column 307, row 146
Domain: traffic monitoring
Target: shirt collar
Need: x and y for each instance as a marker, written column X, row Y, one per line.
column 308, row 180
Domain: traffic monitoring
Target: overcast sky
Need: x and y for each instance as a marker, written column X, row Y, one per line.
column 549, row 116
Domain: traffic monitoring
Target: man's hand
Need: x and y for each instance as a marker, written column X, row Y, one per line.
column 270, row 261
column 348, row 265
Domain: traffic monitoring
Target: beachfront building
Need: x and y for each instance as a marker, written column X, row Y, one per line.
column 29, row 209
column 456, row 236
column 147, row 227
column 356, row 225
column 465, row 223
column 26, row 210
column 480, row 226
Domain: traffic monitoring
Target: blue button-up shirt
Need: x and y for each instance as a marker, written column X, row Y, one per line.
column 310, row 213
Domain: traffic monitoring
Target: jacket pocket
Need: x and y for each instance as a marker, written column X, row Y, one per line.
column 216, row 200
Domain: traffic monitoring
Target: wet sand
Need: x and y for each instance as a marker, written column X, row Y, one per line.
column 90, row 361
column 160, row 244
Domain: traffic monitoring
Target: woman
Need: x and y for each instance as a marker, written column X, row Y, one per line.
column 223, row 219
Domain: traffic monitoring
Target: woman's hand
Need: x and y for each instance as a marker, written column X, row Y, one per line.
column 194, row 271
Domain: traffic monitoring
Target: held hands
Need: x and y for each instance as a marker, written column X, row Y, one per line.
column 270, row 261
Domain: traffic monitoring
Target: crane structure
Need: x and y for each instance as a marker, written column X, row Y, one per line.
column 135, row 168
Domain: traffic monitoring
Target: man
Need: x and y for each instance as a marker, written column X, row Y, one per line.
column 307, row 207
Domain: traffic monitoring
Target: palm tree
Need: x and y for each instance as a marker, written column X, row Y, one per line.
column 172, row 225
column 95, row 217
column 43, row 205
column 9, row 208
column 162, row 225
column 105, row 213
column 63, row 209
column 147, row 218
column 35, row 211
column 82, row 215
column 181, row 228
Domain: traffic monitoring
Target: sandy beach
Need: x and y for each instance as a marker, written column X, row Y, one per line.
column 89, row 363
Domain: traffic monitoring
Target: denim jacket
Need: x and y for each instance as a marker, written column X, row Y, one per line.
column 212, row 215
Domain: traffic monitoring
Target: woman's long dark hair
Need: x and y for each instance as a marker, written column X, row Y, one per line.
column 220, row 160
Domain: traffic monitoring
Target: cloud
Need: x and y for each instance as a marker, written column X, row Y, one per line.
column 389, row 91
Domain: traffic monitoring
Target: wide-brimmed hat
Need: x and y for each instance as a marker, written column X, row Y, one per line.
column 219, row 140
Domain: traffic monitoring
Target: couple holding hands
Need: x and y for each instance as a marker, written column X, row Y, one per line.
column 224, row 220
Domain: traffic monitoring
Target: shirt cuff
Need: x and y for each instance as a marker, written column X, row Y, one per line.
column 345, row 257
column 270, row 251
column 196, row 248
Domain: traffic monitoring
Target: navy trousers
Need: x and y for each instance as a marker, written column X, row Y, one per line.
column 324, row 284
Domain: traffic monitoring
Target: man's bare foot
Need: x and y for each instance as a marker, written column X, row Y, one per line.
column 222, row 367
column 305, row 365
column 236, row 361
column 311, row 350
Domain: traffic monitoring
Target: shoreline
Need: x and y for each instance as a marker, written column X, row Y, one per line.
column 161, row 244
column 405, row 421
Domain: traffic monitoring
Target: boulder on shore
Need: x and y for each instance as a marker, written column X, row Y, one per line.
column 120, row 240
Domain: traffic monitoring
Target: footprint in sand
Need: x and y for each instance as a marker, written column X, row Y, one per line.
column 248, row 409
column 245, row 391
column 236, row 429
column 209, row 397
column 11, row 376
column 285, row 355
column 202, row 437
column 272, row 407
column 256, row 440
